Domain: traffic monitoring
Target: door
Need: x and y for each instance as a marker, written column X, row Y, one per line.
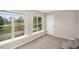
column 50, row 25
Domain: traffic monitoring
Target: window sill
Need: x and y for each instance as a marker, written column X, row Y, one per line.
column 11, row 40
column 37, row 32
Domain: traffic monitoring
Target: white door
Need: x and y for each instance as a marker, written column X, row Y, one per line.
column 50, row 25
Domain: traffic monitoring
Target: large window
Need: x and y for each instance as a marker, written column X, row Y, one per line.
column 37, row 23
column 11, row 25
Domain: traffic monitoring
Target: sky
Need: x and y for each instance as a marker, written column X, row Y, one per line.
column 7, row 14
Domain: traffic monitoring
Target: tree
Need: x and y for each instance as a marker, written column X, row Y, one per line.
column 5, row 20
column 20, row 19
column 1, row 22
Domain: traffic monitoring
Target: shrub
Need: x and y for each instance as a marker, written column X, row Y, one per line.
column 1, row 22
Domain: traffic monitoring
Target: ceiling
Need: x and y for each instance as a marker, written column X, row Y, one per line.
column 47, row 11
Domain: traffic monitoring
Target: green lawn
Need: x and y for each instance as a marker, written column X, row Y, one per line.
column 5, row 30
column 8, row 29
column 19, row 28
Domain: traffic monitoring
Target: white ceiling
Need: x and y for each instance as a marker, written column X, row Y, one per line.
column 47, row 11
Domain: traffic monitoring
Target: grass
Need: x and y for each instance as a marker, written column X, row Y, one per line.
column 8, row 29
column 19, row 28
column 5, row 30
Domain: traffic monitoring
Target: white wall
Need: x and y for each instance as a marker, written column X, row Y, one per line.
column 28, row 30
column 77, row 24
column 65, row 24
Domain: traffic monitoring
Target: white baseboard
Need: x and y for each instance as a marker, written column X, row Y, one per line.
column 77, row 38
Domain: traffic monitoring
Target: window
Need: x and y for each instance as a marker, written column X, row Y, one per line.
column 19, row 25
column 5, row 26
column 37, row 23
column 11, row 25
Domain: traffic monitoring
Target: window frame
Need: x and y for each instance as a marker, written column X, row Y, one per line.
column 37, row 24
column 13, row 25
column 41, row 24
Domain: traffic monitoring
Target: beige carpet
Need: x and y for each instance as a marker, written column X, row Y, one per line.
column 49, row 42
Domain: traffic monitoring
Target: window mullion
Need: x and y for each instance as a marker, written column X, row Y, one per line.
column 13, row 28
column 37, row 24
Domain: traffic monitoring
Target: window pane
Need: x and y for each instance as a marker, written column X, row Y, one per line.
column 39, row 23
column 5, row 26
column 19, row 25
column 34, row 24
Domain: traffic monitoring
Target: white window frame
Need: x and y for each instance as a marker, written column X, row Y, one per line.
column 13, row 28
column 37, row 23
column 13, row 25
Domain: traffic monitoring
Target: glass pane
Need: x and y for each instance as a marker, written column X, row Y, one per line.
column 34, row 24
column 39, row 23
column 19, row 25
column 40, row 27
column 5, row 26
